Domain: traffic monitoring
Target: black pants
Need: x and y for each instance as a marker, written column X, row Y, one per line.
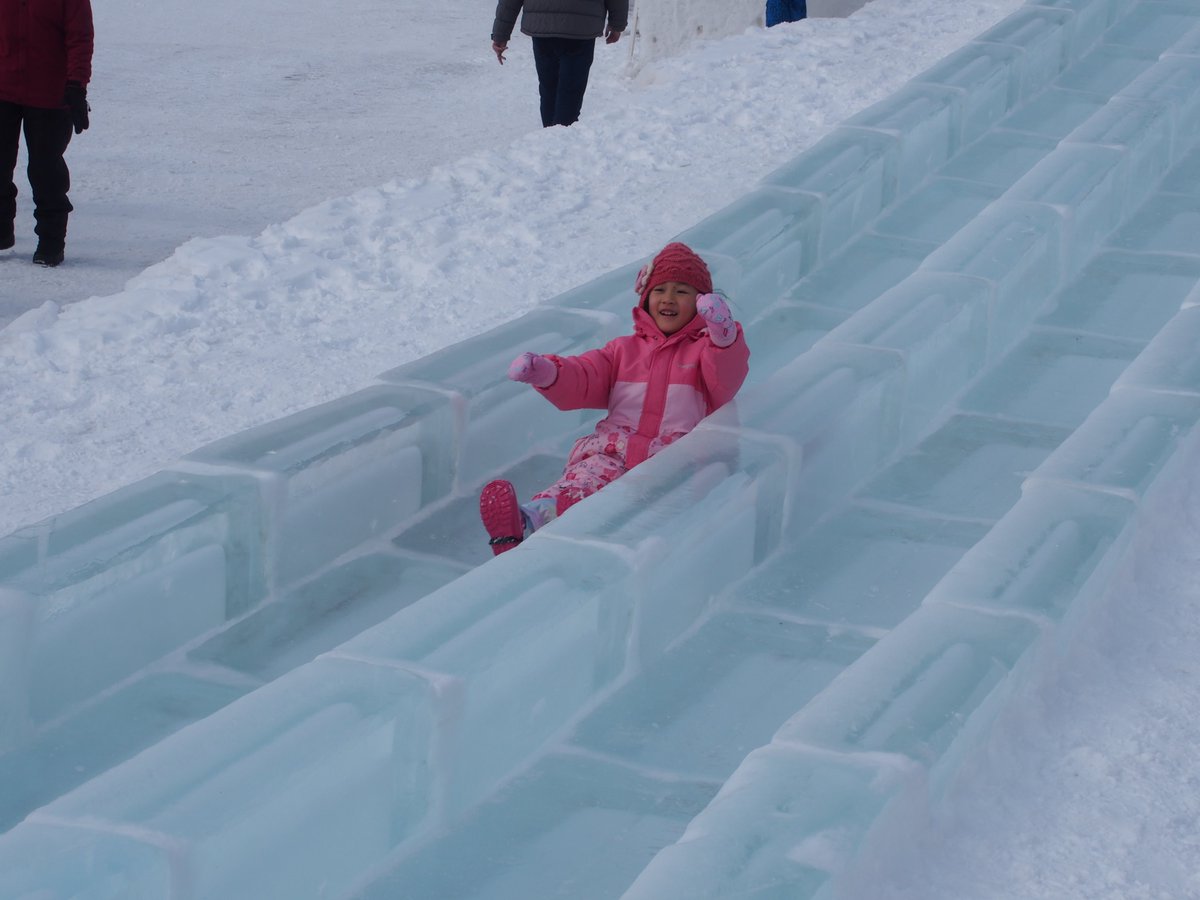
column 562, row 69
column 47, row 134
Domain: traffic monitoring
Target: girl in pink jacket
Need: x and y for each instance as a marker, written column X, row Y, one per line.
column 686, row 358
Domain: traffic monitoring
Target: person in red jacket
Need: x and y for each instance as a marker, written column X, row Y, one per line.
column 45, row 67
column 686, row 358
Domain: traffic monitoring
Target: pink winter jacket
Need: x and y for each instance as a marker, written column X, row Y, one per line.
column 656, row 387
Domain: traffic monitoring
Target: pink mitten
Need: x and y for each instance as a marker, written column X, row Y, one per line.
column 533, row 368
column 722, row 330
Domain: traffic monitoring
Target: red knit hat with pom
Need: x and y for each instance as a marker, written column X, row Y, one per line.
column 675, row 262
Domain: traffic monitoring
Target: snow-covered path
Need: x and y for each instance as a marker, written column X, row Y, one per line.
column 209, row 119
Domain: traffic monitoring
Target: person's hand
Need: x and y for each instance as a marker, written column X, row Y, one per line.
column 75, row 99
column 610, row 36
column 499, row 49
column 534, row 369
column 722, row 330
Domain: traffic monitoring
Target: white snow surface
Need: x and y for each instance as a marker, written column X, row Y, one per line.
column 212, row 120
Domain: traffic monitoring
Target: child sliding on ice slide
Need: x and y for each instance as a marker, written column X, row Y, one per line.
column 686, row 358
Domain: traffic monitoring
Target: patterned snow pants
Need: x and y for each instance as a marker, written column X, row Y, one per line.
column 596, row 460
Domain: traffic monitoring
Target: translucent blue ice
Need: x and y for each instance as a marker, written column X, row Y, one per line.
column 925, row 122
column 503, row 417
column 988, row 79
column 852, row 175
column 571, row 621
column 1170, row 363
column 861, row 272
column 115, row 585
column 784, row 332
column 999, row 158
column 937, row 209
column 1128, row 445
column 917, row 688
column 1086, row 186
column 46, row 861
column 701, row 708
column 773, row 236
column 344, row 472
column 1054, row 112
column 1154, row 26
column 1016, row 250
column 1044, row 37
column 290, row 666
column 970, row 469
column 1088, row 21
column 1124, row 294
column 937, row 325
column 1141, row 129
column 1050, row 556
column 785, row 825
column 222, row 800
column 1166, row 223
column 1107, row 69
column 1051, row 378
column 1173, row 81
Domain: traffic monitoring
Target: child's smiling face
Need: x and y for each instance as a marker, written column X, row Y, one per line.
column 672, row 305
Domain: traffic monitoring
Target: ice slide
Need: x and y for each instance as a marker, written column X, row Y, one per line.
column 281, row 669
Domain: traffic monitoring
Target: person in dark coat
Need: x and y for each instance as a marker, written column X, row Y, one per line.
column 564, row 36
column 45, row 67
column 786, row 11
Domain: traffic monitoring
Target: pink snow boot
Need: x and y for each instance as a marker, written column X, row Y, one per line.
column 501, row 514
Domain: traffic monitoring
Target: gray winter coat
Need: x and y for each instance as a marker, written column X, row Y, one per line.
column 579, row 19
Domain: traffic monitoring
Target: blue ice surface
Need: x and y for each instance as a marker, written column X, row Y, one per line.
column 288, row 666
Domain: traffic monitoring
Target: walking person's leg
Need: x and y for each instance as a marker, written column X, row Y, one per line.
column 797, row 10
column 775, row 12
column 47, row 134
column 575, row 62
column 545, row 60
column 10, row 137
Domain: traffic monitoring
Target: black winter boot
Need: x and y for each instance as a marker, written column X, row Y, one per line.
column 8, row 236
column 47, row 254
column 51, row 229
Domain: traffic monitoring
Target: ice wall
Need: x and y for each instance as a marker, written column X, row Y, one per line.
column 660, row 28
column 279, row 669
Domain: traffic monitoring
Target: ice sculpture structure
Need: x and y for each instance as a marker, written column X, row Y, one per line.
column 288, row 668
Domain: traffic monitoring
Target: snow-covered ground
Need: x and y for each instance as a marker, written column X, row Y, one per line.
column 452, row 212
column 220, row 118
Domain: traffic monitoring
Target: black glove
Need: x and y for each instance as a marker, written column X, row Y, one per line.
column 75, row 99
